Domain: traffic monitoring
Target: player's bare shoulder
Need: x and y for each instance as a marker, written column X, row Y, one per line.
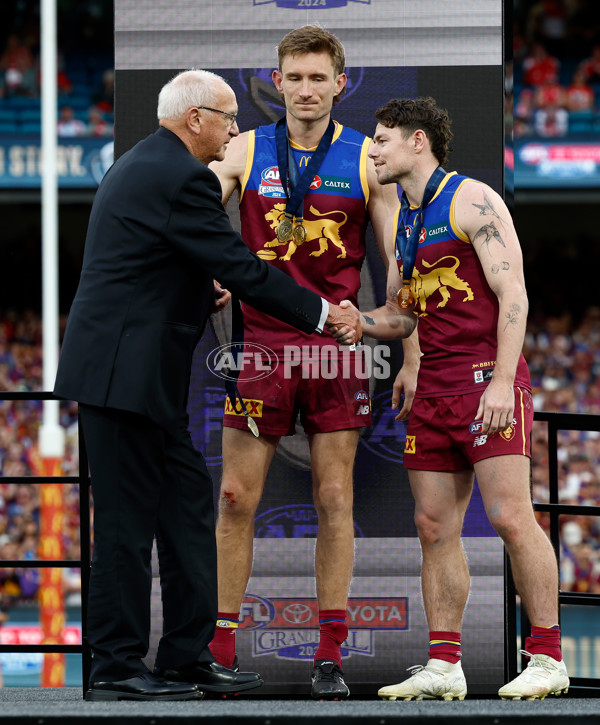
column 481, row 213
column 231, row 169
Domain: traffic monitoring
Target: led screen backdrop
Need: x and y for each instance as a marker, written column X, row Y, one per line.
column 452, row 51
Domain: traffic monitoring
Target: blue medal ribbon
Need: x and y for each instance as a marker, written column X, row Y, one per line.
column 237, row 346
column 406, row 246
column 288, row 169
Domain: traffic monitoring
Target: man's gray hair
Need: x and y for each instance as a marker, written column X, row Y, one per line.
column 188, row 89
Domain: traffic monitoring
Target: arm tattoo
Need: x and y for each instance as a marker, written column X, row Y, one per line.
column 488, row 208
column 368, row 320
column 495, row 268
column 489, row 232
column 512, row 316
column 392, row 292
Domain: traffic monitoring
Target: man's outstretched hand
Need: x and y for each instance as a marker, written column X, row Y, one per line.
column 344, row 322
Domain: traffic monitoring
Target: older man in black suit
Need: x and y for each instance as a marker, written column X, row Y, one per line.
column 158, row 235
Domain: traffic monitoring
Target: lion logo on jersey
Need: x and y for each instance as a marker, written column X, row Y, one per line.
column 324, row 231
column 441, row 279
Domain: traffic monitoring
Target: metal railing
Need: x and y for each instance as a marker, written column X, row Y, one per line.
column 556, row 422
column 83, row 479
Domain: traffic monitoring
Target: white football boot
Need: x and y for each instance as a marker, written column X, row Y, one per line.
column 543, row 676
column 438, row 680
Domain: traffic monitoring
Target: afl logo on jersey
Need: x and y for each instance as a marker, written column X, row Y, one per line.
column 270, row 176
column 270, row 183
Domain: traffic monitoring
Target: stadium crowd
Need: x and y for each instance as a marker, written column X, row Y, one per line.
column 21, row 370
column 554, row 83
column 564, row 362
column 85, row 75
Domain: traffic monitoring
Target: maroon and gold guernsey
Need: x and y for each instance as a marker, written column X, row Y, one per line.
column 335, row 217
column 458, row 312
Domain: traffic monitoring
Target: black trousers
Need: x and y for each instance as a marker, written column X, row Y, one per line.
column 148, row 482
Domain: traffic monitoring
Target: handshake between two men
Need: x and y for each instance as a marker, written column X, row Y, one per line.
column 389, row 322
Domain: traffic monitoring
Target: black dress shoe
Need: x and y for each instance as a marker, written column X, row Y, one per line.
column 146, row 686
column 213, row 677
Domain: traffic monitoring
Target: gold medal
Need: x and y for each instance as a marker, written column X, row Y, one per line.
column 299, row 234
column 285, row 229
column 406, row 299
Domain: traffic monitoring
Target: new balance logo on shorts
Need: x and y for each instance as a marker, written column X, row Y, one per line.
column 481, row 439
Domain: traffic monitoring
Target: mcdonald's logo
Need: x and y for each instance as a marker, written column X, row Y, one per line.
column 51, row 577
column 56, row 522
column 304, row 161
column 56, row 627
column 51, row 495
column 57, row 674
column 50, row 598
column 50, row 548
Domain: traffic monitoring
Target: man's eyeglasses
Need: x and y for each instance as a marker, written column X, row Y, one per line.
column 232, row 116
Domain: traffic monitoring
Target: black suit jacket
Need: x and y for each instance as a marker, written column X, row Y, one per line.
column 158, row 234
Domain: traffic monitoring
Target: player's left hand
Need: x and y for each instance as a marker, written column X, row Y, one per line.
column 496, row 407
column 405, row 385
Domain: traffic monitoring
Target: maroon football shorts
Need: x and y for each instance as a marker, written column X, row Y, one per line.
column 328, row 394
column 443, row 435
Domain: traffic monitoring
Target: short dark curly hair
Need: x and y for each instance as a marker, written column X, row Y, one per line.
column 420, row 113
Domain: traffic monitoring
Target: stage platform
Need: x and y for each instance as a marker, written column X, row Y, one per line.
column 64, row 706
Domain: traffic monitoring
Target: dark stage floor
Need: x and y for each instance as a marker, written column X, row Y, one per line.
column 65, row 705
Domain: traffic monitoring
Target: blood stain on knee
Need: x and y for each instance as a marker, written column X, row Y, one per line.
column 228, row 497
